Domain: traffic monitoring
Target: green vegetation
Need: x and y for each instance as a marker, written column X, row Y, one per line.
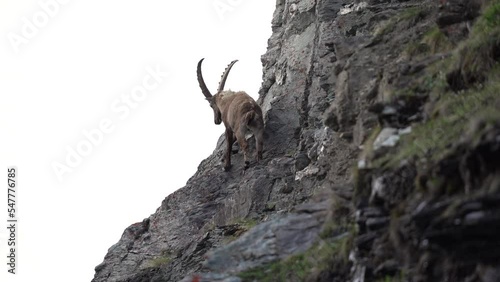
column 474, row 67
column 432, row 138
column 480, row 52
column 417, row 48
column 329, row 254
column 299, row 267
column 490, row 19
column 410, row 16
column 159, row 261
column 243, row 225
column 290, row 152
column 434, row 41
column 367, row 152
column 400, row 277
column 247, row 223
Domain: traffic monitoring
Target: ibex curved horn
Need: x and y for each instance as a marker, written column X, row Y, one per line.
column 203, row 86
column 224, row 76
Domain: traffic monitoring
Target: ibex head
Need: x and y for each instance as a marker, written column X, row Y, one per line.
column 212, row 99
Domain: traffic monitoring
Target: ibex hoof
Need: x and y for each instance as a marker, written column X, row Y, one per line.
column 227, row 167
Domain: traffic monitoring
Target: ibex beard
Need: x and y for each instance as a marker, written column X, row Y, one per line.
column 240, row 114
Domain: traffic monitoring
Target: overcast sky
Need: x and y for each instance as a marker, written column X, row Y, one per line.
column 101, row 112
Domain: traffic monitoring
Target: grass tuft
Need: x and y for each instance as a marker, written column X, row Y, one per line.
column 480, row 52
column 437, row 41
column 159, row 261
column 434, row 41
column 408, row 16
column 472, row 73
column 433, row 138
column 299, row 267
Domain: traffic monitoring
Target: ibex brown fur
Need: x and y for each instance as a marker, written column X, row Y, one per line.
column 240, row 114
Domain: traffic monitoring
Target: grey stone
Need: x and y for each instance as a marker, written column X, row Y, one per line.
column 377, row 222
column 474, row 217
column 388, row 137
column 265, row 243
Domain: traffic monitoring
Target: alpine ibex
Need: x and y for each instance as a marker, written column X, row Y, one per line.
column 240, row 114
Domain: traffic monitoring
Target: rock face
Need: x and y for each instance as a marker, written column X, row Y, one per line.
column 380, row 157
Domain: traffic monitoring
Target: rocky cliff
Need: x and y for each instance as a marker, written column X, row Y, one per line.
column 381, row 158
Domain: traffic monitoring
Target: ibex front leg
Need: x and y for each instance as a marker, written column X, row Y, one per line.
column 229, row 141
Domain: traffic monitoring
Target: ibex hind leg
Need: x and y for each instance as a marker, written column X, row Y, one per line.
column 257, row 128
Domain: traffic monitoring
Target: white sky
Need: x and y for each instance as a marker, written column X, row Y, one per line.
column 65, row 79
